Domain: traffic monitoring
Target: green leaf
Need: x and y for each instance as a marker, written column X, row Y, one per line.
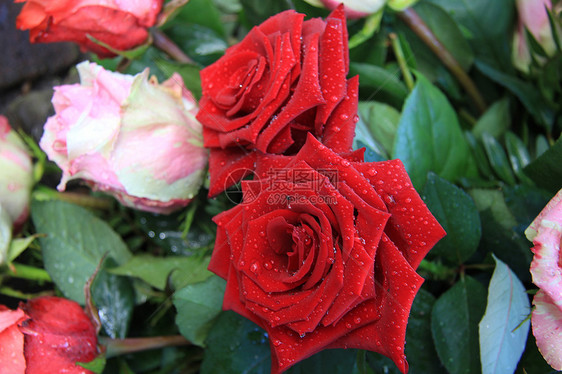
column 364, row 138
column 545, row 171
column 96, row 365
column 479, row 155
column 197, row 307
column 495, row 121
column 518, row 156
column 429, row 137
column 75, row 243
column 502, row 331
column 456, row 212
column 236, row 345
column 156, row 270
column 200, row 43
column 382, row 84
column 333, row 361
column 525, row 92
column 454, row 325
column 258, row 11
column 382, row 122
column 200, row 12
column 189, row 74
column 5, row 234
column 487, row 26
column 498, row 159
column 114, row 298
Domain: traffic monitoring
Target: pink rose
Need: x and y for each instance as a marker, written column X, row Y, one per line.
column 545, row 232
column 120, row 24
column 16, row 178
column 46, row 335
column 128, row 136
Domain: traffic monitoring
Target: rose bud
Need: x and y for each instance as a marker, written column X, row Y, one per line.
column 46, row 335
column 533, row 17
column 122, row 25
column 546, row 232
column 322, row 252
column 285, row 79
column 128, row 136
column 16, row 178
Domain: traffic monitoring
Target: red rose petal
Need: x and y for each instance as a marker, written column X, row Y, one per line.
column 340, row 129
column 412, row 227
column 11, row 341
column 227, row 167
column 57, row 335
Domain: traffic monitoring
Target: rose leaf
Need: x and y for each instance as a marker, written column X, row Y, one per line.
column 454, row 326
column 456, row 212
column 545, row 171
column 429, row 137
column 503, row 329
column 74, row 244
column 236, row 345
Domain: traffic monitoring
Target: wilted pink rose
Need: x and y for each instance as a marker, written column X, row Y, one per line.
column 533, row 17
column 46, row 335
column 16, row 177
column 120, row 24
column 546, row 232
column 128, row 136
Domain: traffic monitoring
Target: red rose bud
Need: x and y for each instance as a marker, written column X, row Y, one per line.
column 322, row 253
column 16, row 176
column 129, row 136
column 46, row 335
column 120, row 24
column 286, row 78
column 546, row 232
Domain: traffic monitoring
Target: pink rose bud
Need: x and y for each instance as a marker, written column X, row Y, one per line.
column 128, row 136
column 545, row 232
column 46, row 335
column 533, row 17
column 16, row 176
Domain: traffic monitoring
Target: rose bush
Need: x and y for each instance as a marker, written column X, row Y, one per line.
column 120, row 24
column 104, row 127
column 546, row 233
column 286, row 78
column 16, row 177
column 322, row 253
column 46, row 335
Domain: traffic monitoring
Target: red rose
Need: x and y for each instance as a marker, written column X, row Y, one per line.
column 286, row 78
column 46, row 335
column 120, row 24
column 322, row 253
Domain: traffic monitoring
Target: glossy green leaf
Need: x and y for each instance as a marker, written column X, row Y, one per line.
column 333, row 361
column 545, row 171
column 479, row 155
column 487, row 26
column 498, row 159
column 495, row 121
column 200, row 12
column 197, row 307
column 5, row 234
column 156, row 270
column 236, row 345
column 96, row 365
column 382, row 84
column 503, row 329
column 202, row 44
column 189, row 74
column 454, row 326
column 258, row 11
column 525, row 92
column 456, row 212
column 75, row 243
column 17, row 246
column 518, row 155
column 382, row 122
column 429, row 137
column 114, row 297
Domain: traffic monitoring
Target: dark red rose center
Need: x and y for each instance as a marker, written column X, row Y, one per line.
column 301, row 253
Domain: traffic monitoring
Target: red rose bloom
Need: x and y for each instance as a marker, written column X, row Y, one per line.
column 322, row 253
column 120, row 24
column 46, row 335
column 286, row 78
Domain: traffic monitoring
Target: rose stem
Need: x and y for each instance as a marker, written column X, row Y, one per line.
column 162, row 42
column 413, row 20
column 29, row 272
column 399, row 53
column 116, row 347
column 81, row 199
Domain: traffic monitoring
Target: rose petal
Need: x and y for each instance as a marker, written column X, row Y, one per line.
column 546, row 321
